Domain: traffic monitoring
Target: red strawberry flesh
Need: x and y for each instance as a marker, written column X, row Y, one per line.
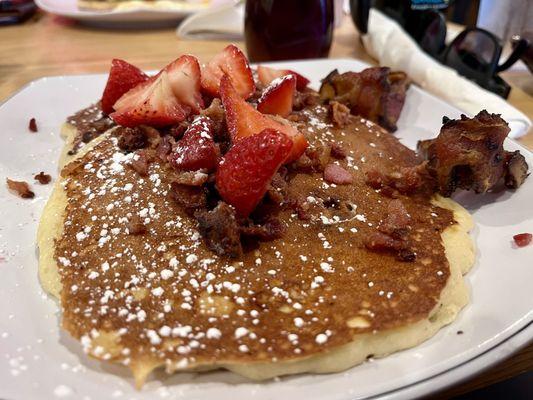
column 122, row 77
column 197, row 149
column 278, row 97
column 248, row 167
column 266, row 75
column 243, row 120
column 232, row 62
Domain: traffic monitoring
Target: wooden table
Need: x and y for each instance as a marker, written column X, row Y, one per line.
column 48, row 45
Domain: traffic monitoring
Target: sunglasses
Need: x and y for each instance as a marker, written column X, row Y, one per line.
column 474, row 53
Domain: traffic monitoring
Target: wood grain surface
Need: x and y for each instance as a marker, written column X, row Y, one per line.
column 48, row 45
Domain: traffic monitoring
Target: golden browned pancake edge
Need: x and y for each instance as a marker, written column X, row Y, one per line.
column 345, row 303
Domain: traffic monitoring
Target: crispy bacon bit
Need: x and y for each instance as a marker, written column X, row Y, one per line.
column 391, row 234
column 165, row 147
column 42, row 178
column 339, row 114
column 131, row 139
column 468, row 154
column 178, row 130
column 191, row 178
column 405, row 180
column 191, row 198
column 306, row 98
column 32, row 126
column 334, row 173
column 270, row 230
column 522, row 239
column 220, row 230
column 515, row 169
column 21, row 188
column 337, row 151
column 277, row 191
column 136, row 226
column 216, row 113
column 375, row 93
column 140, row 163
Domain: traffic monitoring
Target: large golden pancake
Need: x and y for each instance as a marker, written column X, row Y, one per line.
column 314, row 301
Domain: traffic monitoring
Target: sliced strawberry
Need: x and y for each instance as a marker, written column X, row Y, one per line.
column 164, row 99
column 150, row 103
column 247, row 169
column 266, row 75
column 122, row 77
column 185, row 78
column 278, row 97
column 197, row 149
column 243, row 120
column 232, row 62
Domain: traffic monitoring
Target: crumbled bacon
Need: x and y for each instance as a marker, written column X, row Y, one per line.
column 405, row 180
column 375, row 93
column 32, row 126
column 305, row 98
column 220, row 230
column 334, row 173
column 131, row 139
column 136, row 226
column 339, row 114
column 391, row 233
column 140, row 163
column 277, row 191
column 21, row 188
column 337, row 151
column 216, row 113
column 178, row 130
column 191, row 178
column 522, row 239
column 468, row 154
column 42, row 178
column 165, row 147
column 270, row 230
column 191, row 198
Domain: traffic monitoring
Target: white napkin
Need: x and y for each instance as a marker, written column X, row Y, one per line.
column 392, row 46
column 220, row 22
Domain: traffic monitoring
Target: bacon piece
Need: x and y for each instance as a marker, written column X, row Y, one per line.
column 21, row 188
column 42, row 178
column 334, row 173
column 191, row 198
column 270, row 230
column 131, row 139
column 136, row 226
column 468, row 154
column 191, row 178
column 337, row 151
column 339, row 114
column 165, row 147
column 375, row 93
column 405, row 180
column 140, row 163
column 522, row 239
column 397, row 222
column 220, row 230
column 32, row 126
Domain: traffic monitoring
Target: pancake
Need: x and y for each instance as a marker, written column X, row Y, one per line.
column 315, row 300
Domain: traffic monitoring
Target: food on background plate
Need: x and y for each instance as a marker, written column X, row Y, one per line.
column 113, row 5
column 205, row 222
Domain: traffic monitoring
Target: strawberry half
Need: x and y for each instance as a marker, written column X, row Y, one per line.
column 266, row 75
column 248, row 167
column 122, row 77
column 197, row 149
column 278, row 97
column 164, row 99
column 232, row 62
column 243, row 120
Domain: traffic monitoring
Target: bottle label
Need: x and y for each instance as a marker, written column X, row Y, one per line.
column 429, row 4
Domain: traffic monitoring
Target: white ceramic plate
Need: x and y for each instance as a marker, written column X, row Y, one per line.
column 38, row 361
column 69, row 8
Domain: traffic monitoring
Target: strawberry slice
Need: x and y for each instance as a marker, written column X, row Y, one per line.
column 232, row 62
column 278, row 97
column 122, row 77
column 164, row 99
column 243, row 120
column 197, row 149
column 266, row 75
column 150, row 103
column 248, row 167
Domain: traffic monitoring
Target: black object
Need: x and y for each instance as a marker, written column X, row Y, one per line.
column 474, row 53
column 16, row 11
